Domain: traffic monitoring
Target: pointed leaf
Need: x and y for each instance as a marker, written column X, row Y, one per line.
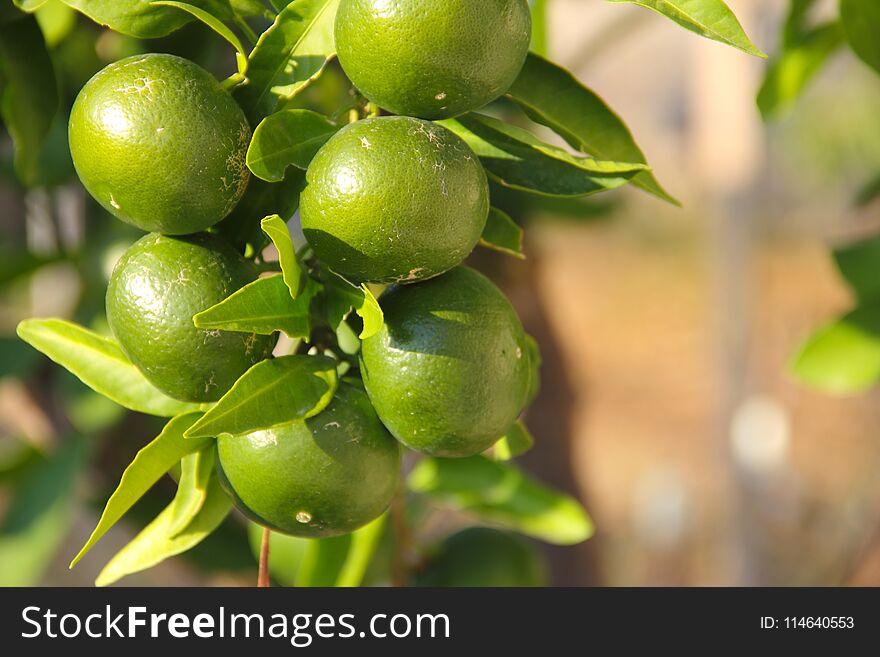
column 291, row 270
column 196, row 470
column 100, row 364
column 342, row 296
column 868, row 193
column 148, row 466
column 501, row 494
column 215, row 24
column 137, row 18
column 29, row 97
column 502, row 234
column 272, row 392
column 364, row 543
column 551, row 96
column 518, row 440
column 857, row 263
column 844, row 356
column 709, row 18
column 263, row 307
column 340, row 561
column 288, row 56
column 287, row 138
column 861, row 24
column 156, row 543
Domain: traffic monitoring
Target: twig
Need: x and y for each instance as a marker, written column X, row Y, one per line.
column 263, row 577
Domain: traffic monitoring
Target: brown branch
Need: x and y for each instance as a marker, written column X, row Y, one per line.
column 263, row 577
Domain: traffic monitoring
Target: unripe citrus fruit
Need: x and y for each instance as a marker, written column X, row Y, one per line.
column 324, row 476
column 156, row 288
column 448, row 373
column 432, row 58
column 394, row 199
column 158, row 143
column 484, row 557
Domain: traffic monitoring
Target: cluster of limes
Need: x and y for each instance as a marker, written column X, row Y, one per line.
column 390, row 199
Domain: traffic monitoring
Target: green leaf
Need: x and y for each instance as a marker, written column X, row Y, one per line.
column 148, row 466
column 263, row 307
column 517, row 159
column 502, row 234
column 156, row 542
column 100, row 364
column 289, row 137
column 551, row 96
column 196, row 470
column 342, row 296
column 29, row 98
column 502, row 494
column 291, row 270
column 29, row 6
column 861, row 24
column 709, row 18
column 137, row 18
column 798, row 63
column 857, row 263
column 215, row 24
column 270, row 393
column 56, row 21
column 364, row 543
column 539, row 27
column 796, row 22
column 342, row 560
column 288, row 56
column 39, row 516
column 844, row 356
column 515, row 442
column 868, row 193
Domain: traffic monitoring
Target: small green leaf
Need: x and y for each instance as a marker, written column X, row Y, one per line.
column 29, row 6
column 857, row 263
column 501, row 494
column 364, row 543
column 340, row 561
column 287, row 138
column 844, row 356
column 342, row 296
column 502, row 234
column 709, row 18
column 196, row 470
column 263, row 307
column 868, row 193
column 100, row 364
column 137, row 18
column 515, row 442
column 798, row 63
column 215, row 24
column 156, row 543
column 516, row 158
column 861, row 24
column 148, row 466
column 291, row 270
column 551, row 96
column 272, row 392
column 288, row 56
column 56, row 21
column 29, row 99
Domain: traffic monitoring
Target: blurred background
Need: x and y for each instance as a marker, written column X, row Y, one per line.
column 666, row 332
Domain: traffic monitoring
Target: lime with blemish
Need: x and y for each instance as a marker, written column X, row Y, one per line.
column 157, row 141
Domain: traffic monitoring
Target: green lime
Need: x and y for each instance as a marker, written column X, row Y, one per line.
column 432, row 58
column 483, row 557
column 325, row 476
column 394, row 199
column 159, row 144
column 156, row 288
column 448, row 373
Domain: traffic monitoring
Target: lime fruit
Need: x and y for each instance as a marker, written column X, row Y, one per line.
column 448, row 373
column 325, row 476
column 484, row 557
column 432, row 58
column 157, row 286
column 394, row 199
column 159, row 144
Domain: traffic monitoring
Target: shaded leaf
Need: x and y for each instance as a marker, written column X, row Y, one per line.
column 56, row 21
column 861, row 25
column 501, row 494
column 196, row 470
column 215, row 24
column 844, row 356
column 869, row 192
column 857, row 263
column 263, row 307
column 518, row 440
column 100, row 364
column 156, row 543
column 291, row 270
column 342, row 560
column 271, row 392
column 502, row 234
column 551, row 96
column 147, row 467
column 29, row 5
column 342, row 296
column 287, row 138
column 518, row 159
column 288, row 55
column 137, row 18
column 712, row 19
column 29, row 98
